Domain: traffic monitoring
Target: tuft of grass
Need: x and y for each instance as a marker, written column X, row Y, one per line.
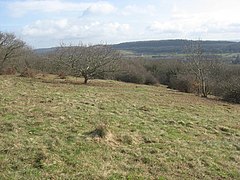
column 101, row 131
column 139, row 131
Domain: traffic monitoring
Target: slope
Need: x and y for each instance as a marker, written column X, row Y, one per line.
column 151, row 132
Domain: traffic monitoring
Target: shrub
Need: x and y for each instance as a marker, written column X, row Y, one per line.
column 150, row 79
column 232, row 95
column 10, row 71
column 231, row 91
column 130, row 77
column 163, row 70
column 62, row 75
column 131, row 71
column 182, row 83
column 27, row 73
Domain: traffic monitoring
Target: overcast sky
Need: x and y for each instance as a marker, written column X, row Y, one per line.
column 46, row 23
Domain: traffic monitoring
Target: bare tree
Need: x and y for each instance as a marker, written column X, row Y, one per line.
column 9, row 46
column 201, row 66
column 87, row 61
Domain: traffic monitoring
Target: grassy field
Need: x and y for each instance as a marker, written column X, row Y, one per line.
column 51, row 129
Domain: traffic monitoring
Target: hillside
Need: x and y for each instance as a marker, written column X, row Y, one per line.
column 177, row 46
column 167, row 46
column 52, row 129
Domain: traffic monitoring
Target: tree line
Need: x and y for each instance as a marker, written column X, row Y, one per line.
column 199, row 72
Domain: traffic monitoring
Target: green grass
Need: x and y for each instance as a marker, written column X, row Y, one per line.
column 153, row 132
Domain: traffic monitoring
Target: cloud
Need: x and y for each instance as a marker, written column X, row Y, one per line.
column 21, row 8
column 199, row 20
column 165, row 27
column 99, row 8
column 96, row 20
column 83, row 30
column 45, row 28
column 139, row 10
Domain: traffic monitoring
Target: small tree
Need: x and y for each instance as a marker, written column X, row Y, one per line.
column 9, row 47
column 200, row 65
column 88, row 61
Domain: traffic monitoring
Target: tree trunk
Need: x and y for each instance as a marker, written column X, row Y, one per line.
column 1, row 67
column 85, row 80
column 204, row 89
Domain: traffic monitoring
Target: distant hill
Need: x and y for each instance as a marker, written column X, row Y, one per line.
column 168, row 46
column 44, row 50
column 177, row 46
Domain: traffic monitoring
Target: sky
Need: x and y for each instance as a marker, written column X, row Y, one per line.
column 47, row 23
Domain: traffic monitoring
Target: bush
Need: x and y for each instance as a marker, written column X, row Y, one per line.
column 182, row 83
column 231, row 90
column 130, row 77
column 232, row 95
column 27, row 73
column 150, row 79
column 163, row 70
column 131, row 71
column 62, row 75
column 10, row 71
column 138, row 77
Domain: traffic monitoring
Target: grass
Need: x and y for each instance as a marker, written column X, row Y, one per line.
column 48, row 131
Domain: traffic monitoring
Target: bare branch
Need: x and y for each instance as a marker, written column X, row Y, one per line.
column 87, row 60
